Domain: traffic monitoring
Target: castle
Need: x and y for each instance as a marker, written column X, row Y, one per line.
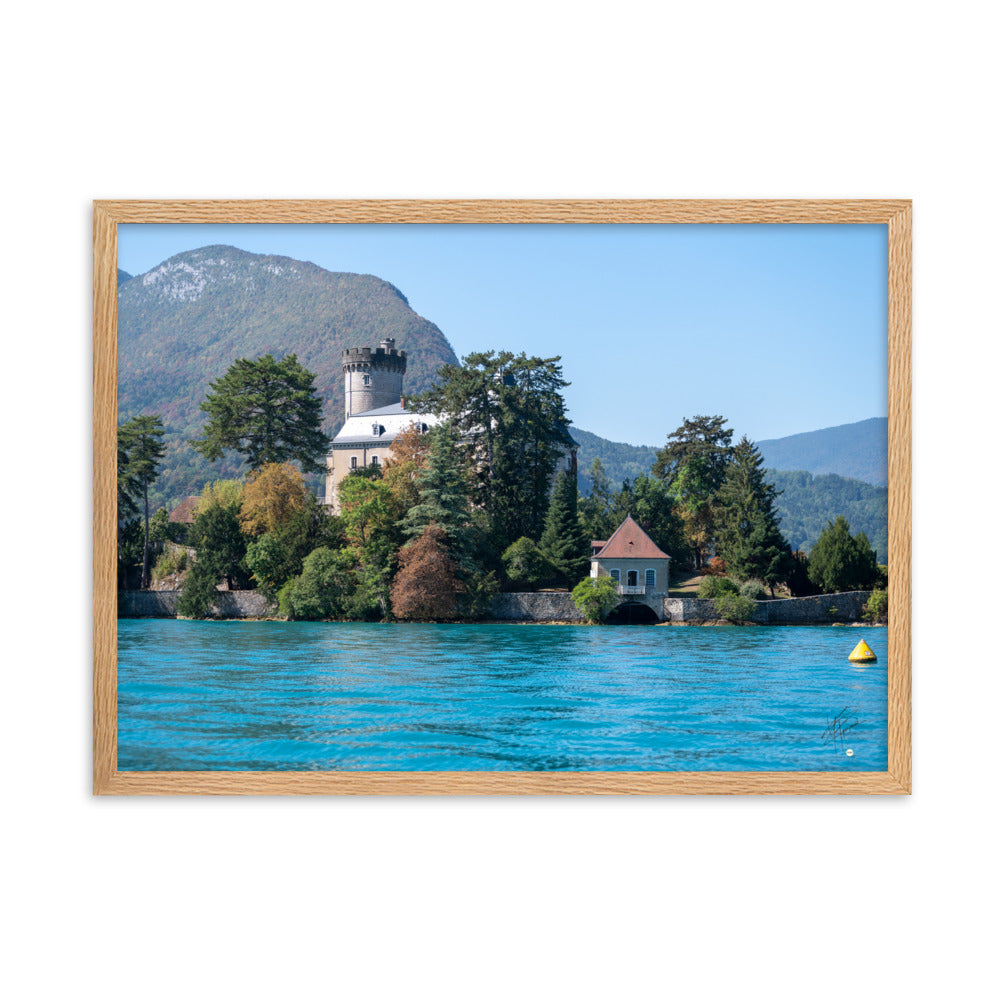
column 375, row 412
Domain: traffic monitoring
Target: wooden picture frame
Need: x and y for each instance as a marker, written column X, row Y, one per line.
column 107, row 780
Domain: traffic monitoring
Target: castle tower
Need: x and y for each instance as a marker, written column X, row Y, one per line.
column 373, row 379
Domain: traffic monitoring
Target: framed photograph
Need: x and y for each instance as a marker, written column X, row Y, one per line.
column 502, row 497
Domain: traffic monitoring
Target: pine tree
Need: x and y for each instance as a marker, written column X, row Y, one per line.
column 266, row 410
column 443, row 497
column 510, row 418
column 750, row 539
column 564, row 542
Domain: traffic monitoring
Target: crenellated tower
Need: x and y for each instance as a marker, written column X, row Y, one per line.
column 373, row 378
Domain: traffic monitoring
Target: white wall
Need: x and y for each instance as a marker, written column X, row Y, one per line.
column 451, row 898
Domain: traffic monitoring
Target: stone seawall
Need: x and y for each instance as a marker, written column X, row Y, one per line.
column 823, row 609
column 163, row 604
column 535, row 608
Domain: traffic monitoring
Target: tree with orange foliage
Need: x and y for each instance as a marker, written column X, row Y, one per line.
column 400, row 472
column 272, row 496
column 427, row 586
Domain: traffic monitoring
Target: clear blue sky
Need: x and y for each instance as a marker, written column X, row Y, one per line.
column 781, row 329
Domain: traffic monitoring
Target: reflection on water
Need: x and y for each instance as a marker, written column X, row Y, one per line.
column 305, row 695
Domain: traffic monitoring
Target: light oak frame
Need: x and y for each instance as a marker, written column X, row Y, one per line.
column 108, row 780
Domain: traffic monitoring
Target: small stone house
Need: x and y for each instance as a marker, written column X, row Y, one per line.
column 633, row 560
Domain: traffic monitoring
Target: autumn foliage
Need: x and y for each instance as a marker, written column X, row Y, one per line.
column 427, row 586
column 272, row 496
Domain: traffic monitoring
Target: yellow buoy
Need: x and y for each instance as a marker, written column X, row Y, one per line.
column 862, row 653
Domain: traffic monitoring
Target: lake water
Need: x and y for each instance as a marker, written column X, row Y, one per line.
column 317, row 695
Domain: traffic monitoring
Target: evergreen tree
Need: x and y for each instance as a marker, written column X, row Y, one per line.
column 564, row 542
column 693, row 465
column 509, row 416
column 266, row 410
column 443, row 497
column 597, row 511
column 750, row 540
column 140, row 438
column 839, row 562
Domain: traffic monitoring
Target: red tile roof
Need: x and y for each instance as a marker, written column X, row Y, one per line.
column 631, row 542
column 183, row 513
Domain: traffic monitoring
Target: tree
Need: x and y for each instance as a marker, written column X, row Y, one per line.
column 509, row 417
column 750, row 540
column 597, row 510
column 701, row 437
column 839, row 562
column 693, row 465
column 409, row 455
column 266, row 410
column 443, row 498
column 595, row 597
column 220, row 546
column 323, row 588
column 274, row 493
column 564, row 542
column 525, row 565
column 370, row 521
column 140, row 438
column 427, row 586
column 277, row 556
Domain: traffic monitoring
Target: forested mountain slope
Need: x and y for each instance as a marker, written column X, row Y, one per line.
column 857, row 451
column 808, row 502
column 182, row 324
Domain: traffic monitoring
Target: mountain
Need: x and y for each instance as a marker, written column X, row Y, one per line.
column 182, row 324
column 123, row 276
column 807, row 502
column 856, row 451
column 620, row 461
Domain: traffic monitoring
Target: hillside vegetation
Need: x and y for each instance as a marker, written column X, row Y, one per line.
column 182, row 324
column 808, row 502
column 620, row 461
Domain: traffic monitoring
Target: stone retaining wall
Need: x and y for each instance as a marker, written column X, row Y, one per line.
column 789, row 611
column 535, row 608
column 163, row 604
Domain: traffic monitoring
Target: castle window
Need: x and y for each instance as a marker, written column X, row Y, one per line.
column 616, row 575
column 374, row 460
column 632, row 578
column 354, row 461
column 366, row 380
column 650, row 579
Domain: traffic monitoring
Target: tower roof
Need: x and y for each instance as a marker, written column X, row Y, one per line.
column 630, row 542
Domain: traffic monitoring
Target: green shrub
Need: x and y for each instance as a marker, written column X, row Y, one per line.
column 174, row 560
column 734, row 608
column 526, row 565
column 323, row 588
column 595, row 597
column 876, row 608
column 754, row 590
column 715, row 586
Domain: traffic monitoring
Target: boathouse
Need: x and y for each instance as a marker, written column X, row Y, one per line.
column 639, row 567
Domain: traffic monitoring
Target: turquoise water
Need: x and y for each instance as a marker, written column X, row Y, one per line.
column 316, row 695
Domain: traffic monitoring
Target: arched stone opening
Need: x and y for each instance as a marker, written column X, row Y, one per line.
column 631, row 613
